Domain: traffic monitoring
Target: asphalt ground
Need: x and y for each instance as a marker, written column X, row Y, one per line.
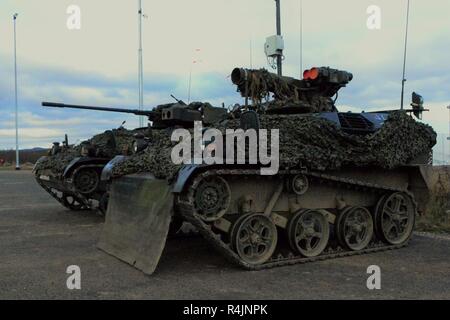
column 39, row 239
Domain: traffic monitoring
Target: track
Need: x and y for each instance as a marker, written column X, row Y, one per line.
column 181, row 232
column 83, row 201
column 186, row 209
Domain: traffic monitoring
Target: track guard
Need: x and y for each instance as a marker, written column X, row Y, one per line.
column 137, row 220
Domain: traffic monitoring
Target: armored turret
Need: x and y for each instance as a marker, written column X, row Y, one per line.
column 313, row 93
column 163, row 116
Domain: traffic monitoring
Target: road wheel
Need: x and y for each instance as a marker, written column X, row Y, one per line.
column 86, row 180
column 354, row 228
column 395, row 218
column 254, row 238
column 308, row 232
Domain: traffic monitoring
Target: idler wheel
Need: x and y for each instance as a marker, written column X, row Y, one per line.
column 354, row 228
column 395, row 218
column 72, row 203
column 212, row 198
column 254, row 238
column 308, row 232
column 86, row 180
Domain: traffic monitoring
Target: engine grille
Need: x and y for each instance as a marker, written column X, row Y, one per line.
column 355, row 123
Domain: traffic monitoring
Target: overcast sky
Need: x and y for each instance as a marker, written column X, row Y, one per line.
column 98, row 64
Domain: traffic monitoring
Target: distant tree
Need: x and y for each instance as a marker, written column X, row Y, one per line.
column 31, row 156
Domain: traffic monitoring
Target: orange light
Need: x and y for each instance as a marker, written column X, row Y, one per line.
column 313, row 73
column 306, row 74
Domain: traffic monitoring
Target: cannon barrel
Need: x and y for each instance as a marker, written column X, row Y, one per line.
column 162, row 116
column 72, row 106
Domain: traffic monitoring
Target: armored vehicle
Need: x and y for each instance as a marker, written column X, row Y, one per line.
column 347, row 183
column 72, row 174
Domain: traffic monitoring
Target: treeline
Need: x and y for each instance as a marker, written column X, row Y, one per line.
column 31, row 156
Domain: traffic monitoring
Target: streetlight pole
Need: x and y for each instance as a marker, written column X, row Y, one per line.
column 195, row 60
column 190, row 78
column 15, row 94
column 448, row 138
column 279, row 57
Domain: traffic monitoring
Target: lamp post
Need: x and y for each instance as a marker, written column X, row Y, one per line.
column 195, row 60
column 190, row 79
column 15, row 94
column 448, row 138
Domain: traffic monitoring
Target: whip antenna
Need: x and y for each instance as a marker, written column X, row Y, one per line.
column 404, row 56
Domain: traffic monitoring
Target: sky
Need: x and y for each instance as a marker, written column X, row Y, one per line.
column 97, row 64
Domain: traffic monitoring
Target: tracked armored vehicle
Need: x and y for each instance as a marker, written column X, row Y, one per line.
column 72, row 174
column 348, row 183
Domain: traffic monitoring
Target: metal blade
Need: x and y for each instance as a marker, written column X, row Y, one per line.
column 137, row 220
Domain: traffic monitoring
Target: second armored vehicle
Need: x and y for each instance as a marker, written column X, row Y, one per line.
column 72, row 174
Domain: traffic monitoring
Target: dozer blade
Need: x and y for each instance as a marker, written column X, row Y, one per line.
column 137, row 220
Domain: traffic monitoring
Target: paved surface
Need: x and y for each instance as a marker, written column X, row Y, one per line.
column 39, row 239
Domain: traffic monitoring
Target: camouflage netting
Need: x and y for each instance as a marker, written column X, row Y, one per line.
column 311, row 95
column 309, row 141
column 58, row 162
column 114, row 142
column 262, row 82
column 104, row 145
column 155, row 158
column 319, row 145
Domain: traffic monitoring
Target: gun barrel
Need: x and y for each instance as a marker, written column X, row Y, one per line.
column 73, row 106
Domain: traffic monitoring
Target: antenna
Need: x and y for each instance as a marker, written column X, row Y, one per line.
column 404, row 57
column 274, row 45
column 301, row 37
column 140, row 67
column 279, row 57
column 251, row 53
